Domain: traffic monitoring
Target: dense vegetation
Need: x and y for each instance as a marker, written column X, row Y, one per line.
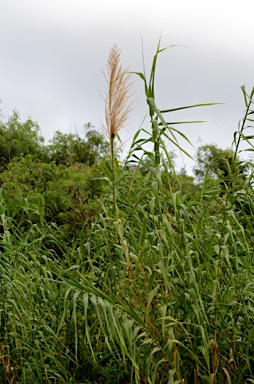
column 125, row 271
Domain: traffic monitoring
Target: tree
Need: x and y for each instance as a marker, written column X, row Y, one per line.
column 221, row 165
column 19, row 139
column 70, row 148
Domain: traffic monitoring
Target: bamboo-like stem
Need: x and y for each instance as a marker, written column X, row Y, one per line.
column 245, row 118
column 113, row 178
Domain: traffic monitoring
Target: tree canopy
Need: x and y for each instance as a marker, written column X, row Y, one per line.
column 19, row 139
column 220, row 164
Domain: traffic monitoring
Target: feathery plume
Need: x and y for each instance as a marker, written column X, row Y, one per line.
column 117, row 108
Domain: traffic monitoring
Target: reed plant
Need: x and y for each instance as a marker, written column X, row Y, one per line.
column 178, row 306
column 117, row 109
column 168, row 300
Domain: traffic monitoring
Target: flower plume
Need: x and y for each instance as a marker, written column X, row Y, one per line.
column 117, row 106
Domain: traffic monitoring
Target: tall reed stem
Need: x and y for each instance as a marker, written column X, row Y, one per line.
column 117, row 108
column 239, row 135
column 113, row 178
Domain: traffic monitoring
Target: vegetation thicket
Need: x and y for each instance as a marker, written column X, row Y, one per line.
column 125, row 271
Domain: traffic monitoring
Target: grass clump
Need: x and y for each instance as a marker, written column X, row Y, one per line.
column 161, row 290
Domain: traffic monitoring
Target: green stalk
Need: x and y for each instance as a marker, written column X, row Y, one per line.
column 113, row 177
column 245, row 119
column 160, row 126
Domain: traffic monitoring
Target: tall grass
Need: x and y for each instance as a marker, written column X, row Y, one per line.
column 168, row 300
column 117, row 108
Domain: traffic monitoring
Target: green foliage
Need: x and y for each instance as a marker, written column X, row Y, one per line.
column 61, row 183
column 222, row 165
column 19, row 139
column 161, row 129
column 69, row 149
column 66, row 196
column 161, row 293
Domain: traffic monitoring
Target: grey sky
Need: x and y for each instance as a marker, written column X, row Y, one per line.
column 52, row 52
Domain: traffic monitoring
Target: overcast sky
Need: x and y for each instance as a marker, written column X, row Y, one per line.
column 52, row 52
